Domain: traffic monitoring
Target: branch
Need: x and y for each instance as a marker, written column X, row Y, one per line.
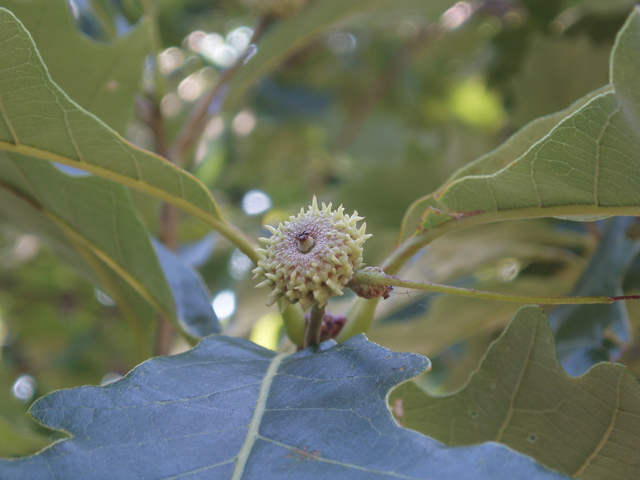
column 197, row 120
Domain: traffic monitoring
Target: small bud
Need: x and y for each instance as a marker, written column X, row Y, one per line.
column 331, row 325
column 372, row 291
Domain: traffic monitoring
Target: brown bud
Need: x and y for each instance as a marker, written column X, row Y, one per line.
column 371, row 291
column 331, row 325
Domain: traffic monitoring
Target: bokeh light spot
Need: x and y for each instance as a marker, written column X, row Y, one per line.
column 243, row 123
column 104, row 299
column 24, row 388
column 239, row 264
column 456, row 15
column 255, row 202
column 224, row 304
column 342, row 43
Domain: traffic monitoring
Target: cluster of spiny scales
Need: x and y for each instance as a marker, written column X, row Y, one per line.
column 311, row 257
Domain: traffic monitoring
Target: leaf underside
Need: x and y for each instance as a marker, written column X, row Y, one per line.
column 587, row 427
column 581, row 162
column 102, row 78
column 38, row 119
column 230, row 409
column 64, row 209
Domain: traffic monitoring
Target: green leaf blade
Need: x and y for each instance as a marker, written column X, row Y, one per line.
column 579, row 163
column 520, row 396
column 543, row 177
column 38, row 119
column 101, row 77
column 94, row 212
column 230, row 409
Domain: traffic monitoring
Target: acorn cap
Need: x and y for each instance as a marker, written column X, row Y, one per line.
column 311, row 257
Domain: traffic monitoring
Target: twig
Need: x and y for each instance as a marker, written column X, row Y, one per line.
column 197, row 120
column 150, row 112
column 375, row 278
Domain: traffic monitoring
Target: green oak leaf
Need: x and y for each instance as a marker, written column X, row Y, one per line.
column 586, row 427
column 38, row 119
column 229, row 409
column 584, row 335
column 585, row 165
column 84, row 214
column 114, row 252
column 101, row 77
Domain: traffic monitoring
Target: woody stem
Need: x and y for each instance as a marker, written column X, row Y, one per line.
column 312, row 336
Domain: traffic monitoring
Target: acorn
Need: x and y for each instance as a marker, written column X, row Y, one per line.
column 274, row 8
column 311, row 257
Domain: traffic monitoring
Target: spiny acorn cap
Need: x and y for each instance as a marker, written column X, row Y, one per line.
column 274, row 8
column 312, row 256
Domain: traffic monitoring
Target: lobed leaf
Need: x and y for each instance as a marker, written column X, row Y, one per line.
column 38, row 119
column 590, row 334
column 585, row 165
column 586, row 427
column 103, row 78
column 231, row 409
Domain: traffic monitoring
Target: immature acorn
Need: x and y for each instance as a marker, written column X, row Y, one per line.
column 311, row 257
column 274, row 8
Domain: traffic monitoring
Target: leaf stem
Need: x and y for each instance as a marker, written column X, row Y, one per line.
column 312, row 336
column 376, row 278
column 412, row 245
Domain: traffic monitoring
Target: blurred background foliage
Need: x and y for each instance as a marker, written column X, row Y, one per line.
column 372, row 110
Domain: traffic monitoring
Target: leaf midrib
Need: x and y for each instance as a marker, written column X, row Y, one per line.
column 606, row 435
column 256, row 419
column 516, row 389
column 145, row 187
